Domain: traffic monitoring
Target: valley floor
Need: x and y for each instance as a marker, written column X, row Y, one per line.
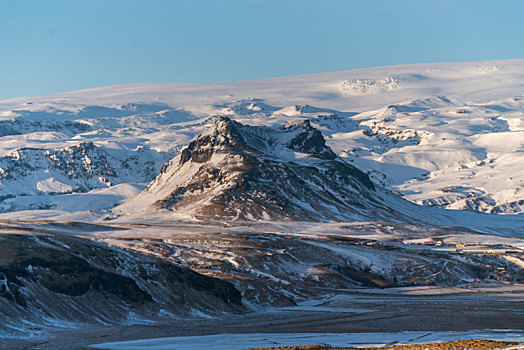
column 350, row 317
column 402, row 341
column 337, row 280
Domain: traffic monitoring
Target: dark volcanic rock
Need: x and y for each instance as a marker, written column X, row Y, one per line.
column 309, row 140
column 226, row 134
column 67, row 278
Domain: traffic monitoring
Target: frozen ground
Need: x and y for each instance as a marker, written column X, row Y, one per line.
column 292, row 279
column 244, row 341
column 387, row 316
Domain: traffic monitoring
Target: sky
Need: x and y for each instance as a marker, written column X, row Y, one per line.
column 49, row 46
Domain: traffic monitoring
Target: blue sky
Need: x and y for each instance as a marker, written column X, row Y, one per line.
column 59, row 45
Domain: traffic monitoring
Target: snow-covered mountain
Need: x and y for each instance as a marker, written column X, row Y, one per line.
column 239, row 172
column 448, row 135
column 150, row 205
column 33, row 177
column 453, row 154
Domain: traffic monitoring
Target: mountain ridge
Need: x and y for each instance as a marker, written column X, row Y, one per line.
column 242, row 172
column 439, row 134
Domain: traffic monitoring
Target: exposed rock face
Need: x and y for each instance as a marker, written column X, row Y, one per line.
column 240, row 172
column 308, row 140
column 76, row 169
column 64, row 278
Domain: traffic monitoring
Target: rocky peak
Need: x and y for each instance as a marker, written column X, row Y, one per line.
column 255, row 178
column 224, row 134
column 308, row 140
column 229, row 136
column 298, row 124
column 225, row 131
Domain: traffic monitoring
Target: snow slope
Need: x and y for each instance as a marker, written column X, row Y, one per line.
column 443, row 134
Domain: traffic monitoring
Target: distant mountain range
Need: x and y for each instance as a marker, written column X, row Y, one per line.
column 447, row 135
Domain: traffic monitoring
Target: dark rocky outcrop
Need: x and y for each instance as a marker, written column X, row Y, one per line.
column 309, row 140
column 54, row 276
